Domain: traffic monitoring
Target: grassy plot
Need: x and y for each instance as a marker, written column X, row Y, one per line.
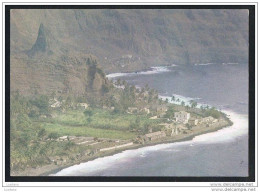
column 87, row 131
column 102, row 119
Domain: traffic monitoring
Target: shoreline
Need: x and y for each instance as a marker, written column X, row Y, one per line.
column 46, row 170
column 151, row 69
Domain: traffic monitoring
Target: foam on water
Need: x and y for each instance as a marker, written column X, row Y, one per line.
column 205, row 64
column 149, row 72
column 229, row 134
column 230, row 63
column 160, row 69
column 181, row 98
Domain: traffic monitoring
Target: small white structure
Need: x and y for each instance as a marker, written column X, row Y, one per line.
column 182, row 116
column 175, row 131
column 207, row 119
column 127, row 56
column 63, row 138
column 56, row 104
column 146, row 110
column 155, row 135
column 161, row 109
column 132, row 109
column 83, row 105
column 193, row 122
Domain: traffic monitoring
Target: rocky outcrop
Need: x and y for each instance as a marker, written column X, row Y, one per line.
column 40, row 45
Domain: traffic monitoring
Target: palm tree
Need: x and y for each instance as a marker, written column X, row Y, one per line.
column 194, row 104
column 147, row 87
column 183, row 103
column 173, row 98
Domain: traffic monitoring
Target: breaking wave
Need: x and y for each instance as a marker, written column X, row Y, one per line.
column 153, row 70
column 201, row 64
column 179, row 98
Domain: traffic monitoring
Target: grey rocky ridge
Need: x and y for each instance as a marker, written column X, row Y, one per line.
column 121, row 40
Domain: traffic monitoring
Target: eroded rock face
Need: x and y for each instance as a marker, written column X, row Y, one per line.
column 97, row 83
column 49, row 67
column 41, row 44
column 66, row 75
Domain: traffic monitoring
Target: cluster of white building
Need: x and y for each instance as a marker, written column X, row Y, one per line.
column 182, row 117
column 185, row 117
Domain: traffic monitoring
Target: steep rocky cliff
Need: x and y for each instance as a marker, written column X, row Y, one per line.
column 49, row 47
column 45, row 70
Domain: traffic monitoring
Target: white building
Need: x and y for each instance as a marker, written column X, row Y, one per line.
column 146, row 110
column 193, row 122
column 182, row 117
column 208, row 120
column 175, row 131
column 155, row 135
column 56, row 104
column 83, row 105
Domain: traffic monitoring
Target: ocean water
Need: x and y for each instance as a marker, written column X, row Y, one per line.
column 220, row 153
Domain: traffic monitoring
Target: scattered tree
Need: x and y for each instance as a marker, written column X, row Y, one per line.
column 88, row 113
column 53, row 135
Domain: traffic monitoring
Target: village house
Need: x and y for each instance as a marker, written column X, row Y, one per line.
column 208, row 120
column 155, row 135
column 193, row 122
column 56, row 103
column 182, row 117
column 132, row 110
column 63, row 138
column 146, row 110
column 83, row 105
column 161, row 109
column 175, row 131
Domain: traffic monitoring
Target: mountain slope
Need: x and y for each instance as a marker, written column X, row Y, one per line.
column 52, row 44
column 149, row 37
